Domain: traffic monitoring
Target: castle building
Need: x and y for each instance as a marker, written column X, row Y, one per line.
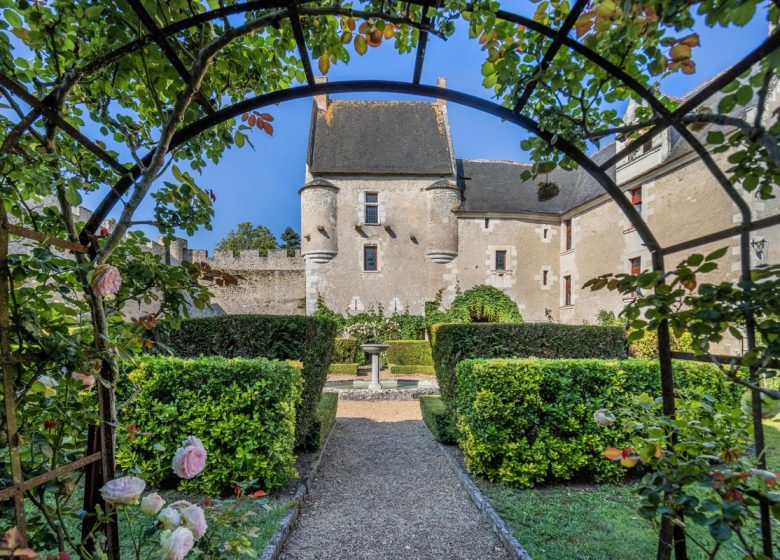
column 390, row 215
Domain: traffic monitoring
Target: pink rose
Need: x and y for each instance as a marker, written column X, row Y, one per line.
column 88, row 380
column 169, row 518
column 190, row 459
column 175, row 545
column 106, row 280
column 123, row 491
column 152, row 504
column 194, row 519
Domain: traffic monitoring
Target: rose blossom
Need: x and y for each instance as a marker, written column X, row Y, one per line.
column 152, row 504
column 190, row 459
column 175, row 545
column 125, row 490
column 169, row 518
column 194, row 519
column 88, row 380
column 106, row 280
column 604, row 418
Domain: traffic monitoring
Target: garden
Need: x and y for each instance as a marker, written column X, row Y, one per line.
column 133, row 430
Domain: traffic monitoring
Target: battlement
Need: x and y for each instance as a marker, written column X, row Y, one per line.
column 249, row 260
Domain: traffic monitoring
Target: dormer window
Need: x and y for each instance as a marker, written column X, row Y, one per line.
column 641, row 150
column 371, row 201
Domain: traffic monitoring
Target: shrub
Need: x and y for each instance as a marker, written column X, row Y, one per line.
column 435, row 416
column 410, row 327
column 484, row 304
column 409, row 352
column 526, row 421
column 371, row 327
column 396, row 369
column 326, row 415
column 242, row 409
column 347, row 351
column 453, row 343
column 344, row 369
column 308, row 339
column 647, row 346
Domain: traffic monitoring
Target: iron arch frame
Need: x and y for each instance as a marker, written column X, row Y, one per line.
column 49, row 107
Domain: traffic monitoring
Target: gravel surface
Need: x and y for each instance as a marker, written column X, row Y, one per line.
column 384, row 490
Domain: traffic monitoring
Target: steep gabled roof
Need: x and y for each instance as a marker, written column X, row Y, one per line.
column 497, row 186
column 380, row 138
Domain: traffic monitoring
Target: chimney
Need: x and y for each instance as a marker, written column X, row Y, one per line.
column 321, row 100
column 441, row 83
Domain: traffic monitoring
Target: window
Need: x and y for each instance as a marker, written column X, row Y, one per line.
column 567, row 290
column 567, row 234
column 500, row 260
column 636, row 265
column 370, row 260
column 372, row 208
column 641, row 150
column 544, row 277
column 544, row 233
column 487, row 223
column 636, row 198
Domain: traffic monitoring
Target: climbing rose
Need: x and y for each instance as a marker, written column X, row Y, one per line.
column 88, row 380
column 152, row 503
column 175, row 545
column 106, row 280
column 194, row 519
column 190, row 458
column 169, row 518
column 125, row 490
column 604, row 418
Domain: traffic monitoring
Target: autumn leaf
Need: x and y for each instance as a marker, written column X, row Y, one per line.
column 252, row 119
column 266, row 117
column 268, row 128
column 360, row 45
column 389, row 31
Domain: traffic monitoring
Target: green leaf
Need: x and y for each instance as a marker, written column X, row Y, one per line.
column 727, row 103
column 715, row 255
column 14, row 19
column 73, row 196
column 715, row 137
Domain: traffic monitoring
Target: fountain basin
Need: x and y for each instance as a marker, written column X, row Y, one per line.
column 389, row 390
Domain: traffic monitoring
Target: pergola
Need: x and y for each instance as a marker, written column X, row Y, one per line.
column 99, row 460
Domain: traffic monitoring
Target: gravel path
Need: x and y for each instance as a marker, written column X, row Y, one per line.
column 384, row 490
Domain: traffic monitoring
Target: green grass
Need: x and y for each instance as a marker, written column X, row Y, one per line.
column 594, row 522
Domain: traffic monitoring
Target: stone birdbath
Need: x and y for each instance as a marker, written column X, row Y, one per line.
column 374, row 350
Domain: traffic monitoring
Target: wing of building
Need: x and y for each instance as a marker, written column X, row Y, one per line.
column 390, row 215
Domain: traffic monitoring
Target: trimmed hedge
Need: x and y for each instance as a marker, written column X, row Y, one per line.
column 326, row 415
column 242, row 409
column 308, row 339
column 525, row 421
column 409, row 353
column 455, row 342
column 438, row 420
column 347, row 351
column 411, row 370
column 344, row 369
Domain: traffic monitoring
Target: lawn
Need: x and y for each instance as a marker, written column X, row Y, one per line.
column 592, row 522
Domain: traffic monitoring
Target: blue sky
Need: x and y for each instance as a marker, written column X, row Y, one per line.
column 261, row 185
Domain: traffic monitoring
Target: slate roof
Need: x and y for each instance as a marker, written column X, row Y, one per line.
column 380, row 138
column 497, row 186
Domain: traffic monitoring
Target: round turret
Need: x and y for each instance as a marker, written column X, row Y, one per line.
column 319, row 243
column 443, row 197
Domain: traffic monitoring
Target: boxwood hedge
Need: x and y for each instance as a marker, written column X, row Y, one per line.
column 242, row 409
column 455, row 342
column 307, row 339
column 409, row 353
column 347, row 351
column 525, row 421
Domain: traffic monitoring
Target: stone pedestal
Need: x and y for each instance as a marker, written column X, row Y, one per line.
column 374, row 350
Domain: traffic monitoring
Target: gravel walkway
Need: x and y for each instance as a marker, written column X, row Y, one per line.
column 384, row 490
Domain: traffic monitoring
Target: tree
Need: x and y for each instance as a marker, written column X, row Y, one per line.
column 246, row 237
column 291, row 241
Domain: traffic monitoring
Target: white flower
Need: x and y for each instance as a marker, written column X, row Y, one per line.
column 123, row 491
column 152, row 504
column 604, row 418
column 176, row 544
column 169, row 518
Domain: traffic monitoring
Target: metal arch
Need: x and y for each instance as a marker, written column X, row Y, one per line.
column 355, row 86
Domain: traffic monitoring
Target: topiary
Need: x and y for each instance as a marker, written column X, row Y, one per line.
column 484, row 304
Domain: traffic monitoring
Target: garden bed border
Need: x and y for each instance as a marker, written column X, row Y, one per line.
column 273, row 549
column 497, row 525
